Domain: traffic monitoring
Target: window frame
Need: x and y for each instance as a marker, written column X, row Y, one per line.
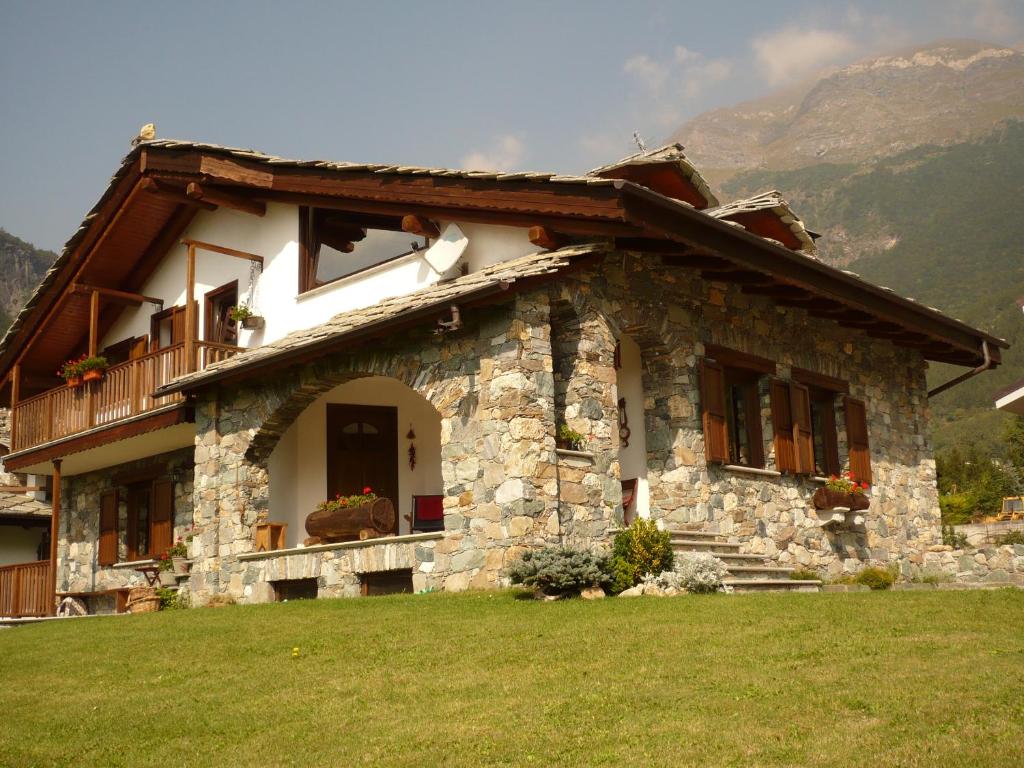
column 211, row 299
column 824, row 389
column 739, row 370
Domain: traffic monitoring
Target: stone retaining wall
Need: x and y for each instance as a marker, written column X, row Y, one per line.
column 989, row 564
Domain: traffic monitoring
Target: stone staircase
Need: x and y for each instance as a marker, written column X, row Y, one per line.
column 747, row 572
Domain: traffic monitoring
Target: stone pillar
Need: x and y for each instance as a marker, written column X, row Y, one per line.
column 589, row 490
column 497, row 449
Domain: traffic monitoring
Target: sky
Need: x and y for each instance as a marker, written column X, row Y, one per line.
column 556, row 85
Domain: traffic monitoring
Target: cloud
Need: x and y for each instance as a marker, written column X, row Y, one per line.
column 671, row 81
column 793, row 52
column 506, row 153
column 993, row 19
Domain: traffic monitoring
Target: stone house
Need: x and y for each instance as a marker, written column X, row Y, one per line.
column 427, row 332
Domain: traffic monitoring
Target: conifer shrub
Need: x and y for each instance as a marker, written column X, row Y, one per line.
column 559, row 571
column 876, row 578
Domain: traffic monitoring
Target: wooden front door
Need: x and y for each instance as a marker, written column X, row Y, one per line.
column 362, row 450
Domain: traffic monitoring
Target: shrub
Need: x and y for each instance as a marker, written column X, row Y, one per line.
column 639, row 550
column 559, row 571
column 951, row 538
column 802, row 574
column 876, row 578
column 1013, row 537
column 701, row 573
column 172, row 598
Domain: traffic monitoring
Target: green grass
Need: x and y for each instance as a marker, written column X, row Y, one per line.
column 867, row 679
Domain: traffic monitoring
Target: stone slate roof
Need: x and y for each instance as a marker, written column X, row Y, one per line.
column 20, row 505
column 774, row 202
column 668, row 153
column 439, row 295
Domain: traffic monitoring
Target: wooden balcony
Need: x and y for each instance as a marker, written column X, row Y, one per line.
column 125, row 391
column 25, row 590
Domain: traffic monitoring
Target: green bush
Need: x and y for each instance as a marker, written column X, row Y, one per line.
column 559, row 571
column 876, row 578
column 639, row 550
column 1013, row 537
column 802, row 574
column 951, row 538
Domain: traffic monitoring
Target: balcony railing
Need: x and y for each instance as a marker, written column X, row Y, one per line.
column 126, row 390
column 25, row 589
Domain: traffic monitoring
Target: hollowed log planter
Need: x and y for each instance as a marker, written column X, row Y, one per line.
column 826, row 498
column 93, row 374
column 375, row 518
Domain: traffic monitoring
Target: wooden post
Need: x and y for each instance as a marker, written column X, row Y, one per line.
column 94, row 322
column 15, row 394
column 190, row 309
column 54, row 532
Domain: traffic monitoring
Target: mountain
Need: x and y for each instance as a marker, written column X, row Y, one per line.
column 22, row 266
column 910, row 166
column 942, row 93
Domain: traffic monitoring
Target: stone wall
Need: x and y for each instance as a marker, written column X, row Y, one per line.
column 993, row 564
column 672, row 314
column 77, row 550
column 492, row 384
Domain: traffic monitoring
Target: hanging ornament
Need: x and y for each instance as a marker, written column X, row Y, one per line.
column 624, row 431
column 411, row 435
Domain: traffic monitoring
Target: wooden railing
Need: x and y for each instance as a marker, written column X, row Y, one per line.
column 126, row 390
column 25, row 590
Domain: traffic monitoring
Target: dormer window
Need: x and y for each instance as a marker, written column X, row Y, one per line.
column 335, row 244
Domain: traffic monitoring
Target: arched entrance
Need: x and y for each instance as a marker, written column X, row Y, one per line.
column 632, row 432
column 372, row 431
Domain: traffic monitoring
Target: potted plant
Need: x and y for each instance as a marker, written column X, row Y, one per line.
column 842, row 492
column 569, row 439
column 71, row 372
column 167, row 577
column 179, row 557
column 93, row 367
column 243, row 315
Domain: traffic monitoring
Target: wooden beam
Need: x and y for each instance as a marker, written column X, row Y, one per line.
column 420, row 225
column 226, row 199
column 54, row 533
column 21, row 488
column 546, row 238
column 203, row 246
column 652, row 245
column 94, row 322
column 778, row 290
column 126, row 297
column 155, row 187
column 15, row 394
column 190, row 307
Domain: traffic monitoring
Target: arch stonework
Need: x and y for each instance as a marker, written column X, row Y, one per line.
column 492, row 385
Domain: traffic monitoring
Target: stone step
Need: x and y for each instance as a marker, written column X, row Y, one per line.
column 697, row 545
column 743, row 558
column 772, row 585
column 747, row 572
column 697, row 535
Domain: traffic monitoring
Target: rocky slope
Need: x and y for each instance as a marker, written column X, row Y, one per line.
column 943, row 93
column 22, row 266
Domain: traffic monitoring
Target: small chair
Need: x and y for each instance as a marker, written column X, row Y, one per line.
column 427, row 513
column 628, row 501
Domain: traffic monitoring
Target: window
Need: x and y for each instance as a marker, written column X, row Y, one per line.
column 107, row 550
column 731, row 406
column 217, row 323
column 167, row 327
column 335, row 244
column 123, row 351
column 823, row 431
column 150, row 519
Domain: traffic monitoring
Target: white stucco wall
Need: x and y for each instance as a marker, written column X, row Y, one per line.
column 298, row 465
column 19, row 545
column 275, row 238
column 633, row 458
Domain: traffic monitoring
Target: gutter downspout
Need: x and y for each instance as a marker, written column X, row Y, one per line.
column 965, row 376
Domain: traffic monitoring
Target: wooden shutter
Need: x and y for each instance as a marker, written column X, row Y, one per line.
column 161, row 535
column 857, row 439
column 108, row 529
column 803, row 441
column 177, row 325
column 712, row 404
column 782, row 426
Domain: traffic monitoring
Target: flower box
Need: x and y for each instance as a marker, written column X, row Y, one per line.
column 828, row 498
column 253, row 322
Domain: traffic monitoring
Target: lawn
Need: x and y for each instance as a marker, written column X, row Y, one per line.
column 876, row 679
